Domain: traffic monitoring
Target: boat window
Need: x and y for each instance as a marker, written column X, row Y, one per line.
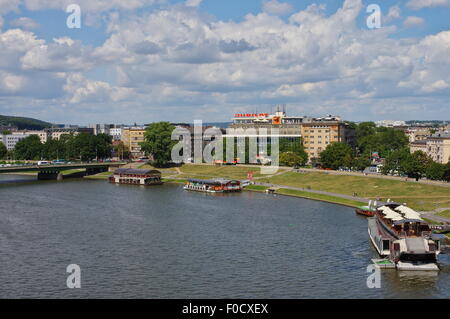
column 385, row 244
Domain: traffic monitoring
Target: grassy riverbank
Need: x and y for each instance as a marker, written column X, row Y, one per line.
column 99, row 176
column 421, row 197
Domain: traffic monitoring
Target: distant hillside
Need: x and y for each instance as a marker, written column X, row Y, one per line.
column 23, row 123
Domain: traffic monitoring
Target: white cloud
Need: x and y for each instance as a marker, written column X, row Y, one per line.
column 412, row 21
column 89, row 5
column 393, row 14
column 277, row 8
column 9, row 5
column 25, row 23
column 193, row 3
column 178, row 63
column 83, row 90
column 420, row 4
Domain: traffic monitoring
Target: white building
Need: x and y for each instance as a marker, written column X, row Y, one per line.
column 388, row 123
column 10, row 140
column 116, row 133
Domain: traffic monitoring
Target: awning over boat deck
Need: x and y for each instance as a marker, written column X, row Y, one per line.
column 409, row 213
column 390, row 214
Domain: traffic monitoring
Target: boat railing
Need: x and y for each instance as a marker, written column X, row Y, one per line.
column 426, row 234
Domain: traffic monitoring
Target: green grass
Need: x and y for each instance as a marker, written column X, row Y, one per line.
column 321, row 197
column 418, row 196
column 71, row 171
column 100, row 176
column 229, row 172
column 431, row 222
column 445, row 213
column 177, row 181
column 256, row 188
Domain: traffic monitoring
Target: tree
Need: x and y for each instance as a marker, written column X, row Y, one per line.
column 292, row 159
column 435, row 171
column 447, row 172
column 394, row 160
column 361, row 163
column 29, row 148
column 158, row 143
column 337, row 155
column 379, row 139
column 415, row 165
column 121, row 151
column 296, row 147
column 3, row 151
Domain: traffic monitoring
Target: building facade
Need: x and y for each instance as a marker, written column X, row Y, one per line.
column 56, row 133
column 321, row 132
column 132, row 137
column 10, row 140
column 438, row 147
column 315, row 133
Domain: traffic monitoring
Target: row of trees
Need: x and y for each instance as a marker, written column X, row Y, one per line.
column 158, row 143
column 84, row 147
column 416, row 165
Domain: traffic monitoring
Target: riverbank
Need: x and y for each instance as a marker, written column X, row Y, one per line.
column 348, row 190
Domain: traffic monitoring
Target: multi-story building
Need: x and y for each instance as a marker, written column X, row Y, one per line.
column 41, row 134
column 389, row 123
column 321, row 132
column 101, row 128
column 418, row 133
column 132, row 137
column 315, row 133
column 116, row 133
column 56, row 133
column 438, row 147
column 8, row 128
column 10, row 140
column 418, row 146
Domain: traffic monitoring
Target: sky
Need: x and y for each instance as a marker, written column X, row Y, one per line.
column 140, row 61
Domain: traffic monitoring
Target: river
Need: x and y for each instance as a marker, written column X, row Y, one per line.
column 164, row 242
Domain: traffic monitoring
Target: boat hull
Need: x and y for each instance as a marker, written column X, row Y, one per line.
column 366, row 213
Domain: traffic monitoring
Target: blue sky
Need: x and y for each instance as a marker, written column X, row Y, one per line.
column 186, row 60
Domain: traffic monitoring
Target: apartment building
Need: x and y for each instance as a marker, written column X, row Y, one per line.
column 10, row 140
column 438, row 147
column 56, row 133
column 321, row 132
column 132, row 137
column 315, row 133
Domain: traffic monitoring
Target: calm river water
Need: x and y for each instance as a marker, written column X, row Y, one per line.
column 163, row 242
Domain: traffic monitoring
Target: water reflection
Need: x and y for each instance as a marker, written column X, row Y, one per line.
column 164, row 242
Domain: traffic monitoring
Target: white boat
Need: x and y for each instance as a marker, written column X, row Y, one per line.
column 400, row 234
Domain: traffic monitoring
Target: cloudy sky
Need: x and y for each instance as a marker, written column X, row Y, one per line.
column 150, row 60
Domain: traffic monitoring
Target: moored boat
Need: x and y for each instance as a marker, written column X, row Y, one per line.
column 141, row 177
column 213, row 186
column 368, row 211
column 400, row 234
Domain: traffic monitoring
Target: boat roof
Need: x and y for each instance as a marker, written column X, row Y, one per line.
column 212, row 181
column 404, row 221
column 136, row 171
